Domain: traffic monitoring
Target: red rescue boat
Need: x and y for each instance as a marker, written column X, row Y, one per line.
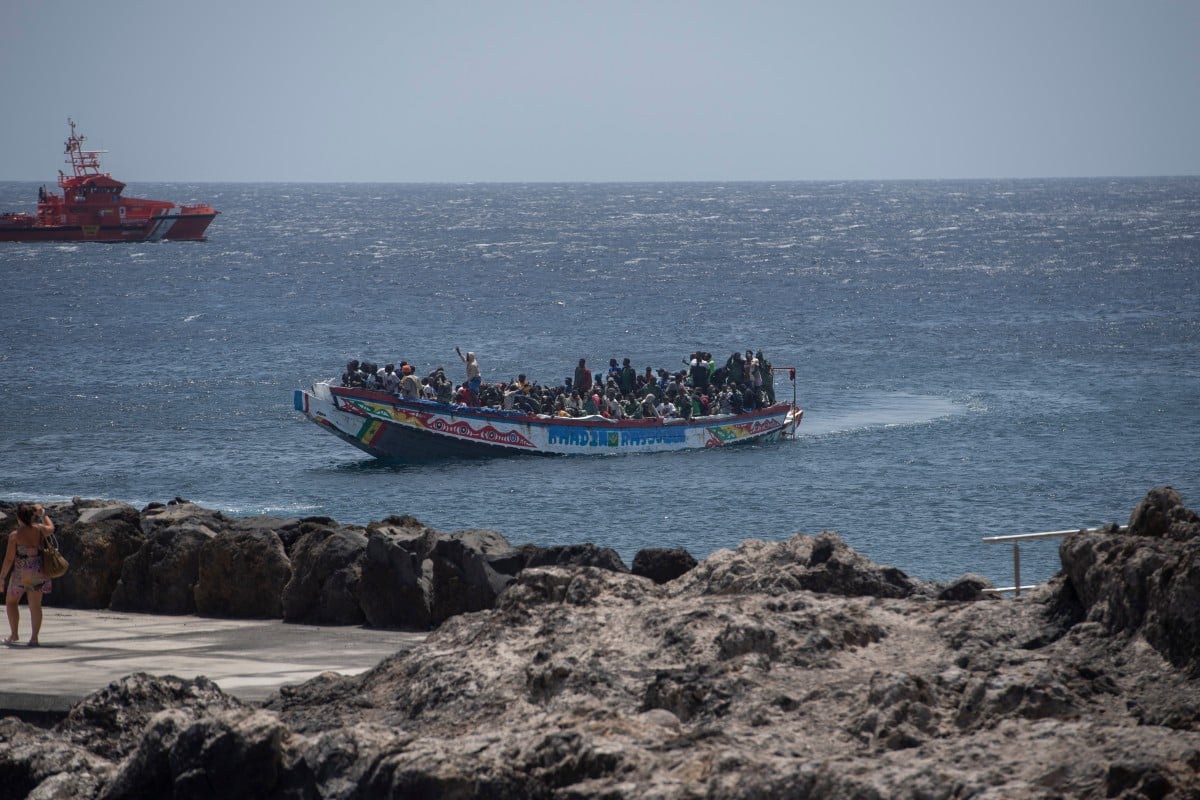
column 91, row 208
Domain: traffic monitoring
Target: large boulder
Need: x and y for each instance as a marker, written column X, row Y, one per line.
column 575, row 555
column 161, row 576
column 326, row 572
column 662, row 564
column 468, row 570
column 243, row 571
column 96, row 537
column 1145, row 579
column 414, row 576
column 817, row 564
column 109, row 722
column 240, row 754
column 394, row 591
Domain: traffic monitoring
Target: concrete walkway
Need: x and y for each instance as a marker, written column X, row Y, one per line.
column 83, row 651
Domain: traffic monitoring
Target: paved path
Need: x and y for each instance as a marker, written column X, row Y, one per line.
column 83, row 651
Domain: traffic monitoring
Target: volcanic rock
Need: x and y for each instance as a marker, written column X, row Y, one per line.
column 1145, row 580
column 576, row 555
column 738, row 680
column 160, row 577
column 96, row 538
column 662, row 564
column 243, row 571
column 395, row 592
column 326, row 569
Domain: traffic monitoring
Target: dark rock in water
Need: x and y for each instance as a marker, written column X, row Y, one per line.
column 576, row 555
column 161, row 576
column 326, row 569
column 662, row 564
column 243, row 571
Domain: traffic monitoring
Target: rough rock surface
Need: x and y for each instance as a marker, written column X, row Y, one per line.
column 1146, row 580
column 96, row 543
column 576, row 555
column 161, row 576
column 243, row 570
column 738, row 680
column 662, row 564
column 179, row 557
column 326, row 567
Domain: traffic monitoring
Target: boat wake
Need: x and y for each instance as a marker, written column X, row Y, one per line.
column 873, row 410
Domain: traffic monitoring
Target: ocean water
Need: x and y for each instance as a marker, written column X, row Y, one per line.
column 974, row 358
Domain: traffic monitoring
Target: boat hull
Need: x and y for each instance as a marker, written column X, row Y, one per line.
column 394, row 429
column 172, row 227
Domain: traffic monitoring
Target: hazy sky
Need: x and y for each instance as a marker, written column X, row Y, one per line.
column 603, row 90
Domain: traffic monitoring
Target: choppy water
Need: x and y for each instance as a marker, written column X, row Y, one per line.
column 975, row 358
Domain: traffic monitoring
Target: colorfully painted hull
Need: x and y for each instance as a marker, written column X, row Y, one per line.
column 393, row 429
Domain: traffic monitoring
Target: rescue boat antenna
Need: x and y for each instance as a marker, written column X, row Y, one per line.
column 83, row 162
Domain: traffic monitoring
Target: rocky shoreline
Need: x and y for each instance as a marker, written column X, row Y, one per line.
column 786, row 669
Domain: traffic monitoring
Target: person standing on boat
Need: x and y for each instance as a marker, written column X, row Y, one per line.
column 583, row 378
column 474, row 376
column 390, row 379
column 23, row 560
column 768, row 377
column 628, row 378
column 410, row 384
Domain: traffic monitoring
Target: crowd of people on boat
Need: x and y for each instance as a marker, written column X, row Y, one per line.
column 704, row 387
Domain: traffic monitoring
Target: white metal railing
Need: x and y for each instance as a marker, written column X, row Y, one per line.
column 1016, row 540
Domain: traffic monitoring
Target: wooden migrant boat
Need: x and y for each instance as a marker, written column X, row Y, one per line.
column 396, row 429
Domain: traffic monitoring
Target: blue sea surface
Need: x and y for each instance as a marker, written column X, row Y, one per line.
column 975, row 358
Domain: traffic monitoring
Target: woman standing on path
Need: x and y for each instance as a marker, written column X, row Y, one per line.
column 24, row 559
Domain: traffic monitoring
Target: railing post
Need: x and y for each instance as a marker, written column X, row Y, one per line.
column 1021, row 537
column 1017, row 567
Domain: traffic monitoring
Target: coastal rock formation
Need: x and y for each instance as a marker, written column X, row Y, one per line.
column 161, row 576
column 662, row 564
column 243, row 571
column 395, row 589
column 576, row 555
column 796, row 668
column 97, row 538
column 178, row 558
column 1145, row 581
column 326, row 568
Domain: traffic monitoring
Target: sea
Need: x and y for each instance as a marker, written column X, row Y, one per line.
column 974, row 358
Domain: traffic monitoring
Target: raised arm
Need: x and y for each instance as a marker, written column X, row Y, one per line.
column 45, row 526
